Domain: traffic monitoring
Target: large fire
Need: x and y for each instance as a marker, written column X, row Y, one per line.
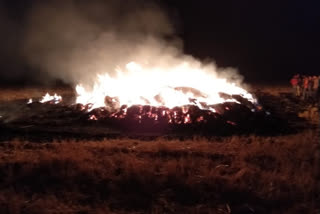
column 182, row 94
column 175, row 87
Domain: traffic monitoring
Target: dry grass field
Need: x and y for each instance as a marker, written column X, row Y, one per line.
column 235, row 174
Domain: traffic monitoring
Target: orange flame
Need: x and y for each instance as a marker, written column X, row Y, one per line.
column 178, row 86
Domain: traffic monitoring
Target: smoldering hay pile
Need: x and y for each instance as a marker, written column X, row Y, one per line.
column 130, row 73
column 140, row 102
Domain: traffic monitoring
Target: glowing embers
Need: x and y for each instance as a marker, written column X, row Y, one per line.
column 230, row 113
column 153, row 115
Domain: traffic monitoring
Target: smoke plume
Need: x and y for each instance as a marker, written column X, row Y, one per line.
column 76, row 40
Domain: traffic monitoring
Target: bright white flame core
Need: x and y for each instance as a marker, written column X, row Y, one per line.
column 158, row 87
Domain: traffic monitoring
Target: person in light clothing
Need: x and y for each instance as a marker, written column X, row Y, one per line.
column 315, row 87
column 305, row 83
column 295, row 85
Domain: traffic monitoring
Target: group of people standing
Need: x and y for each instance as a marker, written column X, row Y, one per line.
column 305, row 87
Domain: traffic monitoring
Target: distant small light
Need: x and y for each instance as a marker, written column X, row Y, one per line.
column 268, row 113
column 253, row 110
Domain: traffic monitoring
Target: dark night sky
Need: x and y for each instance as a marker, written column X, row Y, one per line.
column 266, row 40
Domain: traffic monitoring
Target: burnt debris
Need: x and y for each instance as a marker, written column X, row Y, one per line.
column 64, row 119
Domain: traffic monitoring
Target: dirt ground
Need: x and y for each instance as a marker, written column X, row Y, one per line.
column 233, row 174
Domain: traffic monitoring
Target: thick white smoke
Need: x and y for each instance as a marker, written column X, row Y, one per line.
column 76, row 40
